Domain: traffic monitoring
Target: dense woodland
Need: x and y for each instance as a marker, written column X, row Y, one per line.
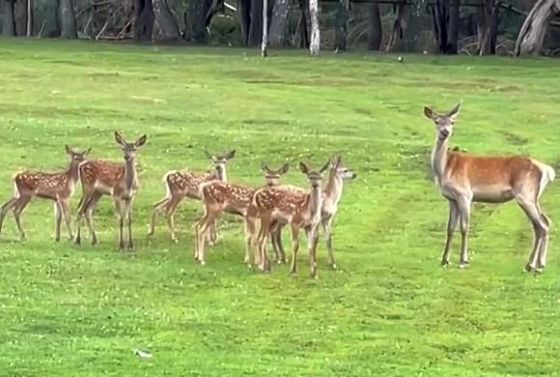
column 515, row 27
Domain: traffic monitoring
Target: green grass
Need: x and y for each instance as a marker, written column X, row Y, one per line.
column 389, row 311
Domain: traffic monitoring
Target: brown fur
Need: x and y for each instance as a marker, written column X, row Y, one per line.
column 463, row 178
column 118, row 180
column 58, row 187
column 181, row 184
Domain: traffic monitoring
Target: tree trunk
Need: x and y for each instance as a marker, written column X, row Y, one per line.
column 440, row 16
column 315, row 44
column 144, row 23
column 304, row 42
column 66, row 19
column 341, row 25
column 245, row 19
column 30, row 13
column 20, row 17
column 453, row 34
column 488, row 26
column 397, row 33
column 256, row 26
column 531, row 36
column 279, row 24
column 166, row 21
column 8, row 21
column 264, row 44
column 375, row 27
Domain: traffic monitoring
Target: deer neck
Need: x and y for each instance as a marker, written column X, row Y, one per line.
column 439, row 157
column 130, row 175
column 333, row 190
column 223, row 176
column 314, row 204
column 73, row 172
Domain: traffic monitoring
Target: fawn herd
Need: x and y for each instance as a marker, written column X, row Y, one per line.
column 461, row 178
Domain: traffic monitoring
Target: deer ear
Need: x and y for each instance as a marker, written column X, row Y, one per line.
column 325, row 167
column 87, row 151
column 209, row 155
column 455, row 111
column 304, row 168
column 284, row 169
column 119, row 139
column 230, row 155
column 337, row 161
column 67, row 149
column 429, row 113
column 264, row 167
column 141, row 141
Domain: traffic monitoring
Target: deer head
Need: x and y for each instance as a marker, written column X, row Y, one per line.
column 220, row 162
column 273, row 176
column 443, row 122
column 129, row 149
column 342, row 171
column 77, row 157
column 315, row 177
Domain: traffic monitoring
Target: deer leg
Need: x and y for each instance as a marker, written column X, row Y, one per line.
column 279, row 245
column 312, row 241
column 464, row 206
column 128, row 213
column 157, row 207
column 197, row 233
column 539, row 229
column 85, row 200
column 541, row 263
column 274, row 228
column 88, row 211
column 213, row 234
column 57, row 220
column 451, row 226
column 295, row 248
column 203, row 234
column 120, row 217
column 6, row 207
column 66, row 215
column 170, row 214
column 249, row 239
column 19, row 206
column 264, row 231
column 327, row 227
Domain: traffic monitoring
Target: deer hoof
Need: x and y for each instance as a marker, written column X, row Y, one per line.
column 539, row 270
column 463, row 265
column 202, row 263
column 444, row 263
column 528, row 267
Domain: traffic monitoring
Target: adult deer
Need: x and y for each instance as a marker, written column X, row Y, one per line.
column 109, row 178
column 332, row 193
column 181, row 184
column 300, row 209
column 463, row 178
column 219, row 197
column 57, row 187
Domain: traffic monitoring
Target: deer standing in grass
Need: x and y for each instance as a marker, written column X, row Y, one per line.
column 300, row 209
column 109, row 178
column 219, row 197
column 332, row 193
column 186, row 184
column 58, row 187
column 463, row 178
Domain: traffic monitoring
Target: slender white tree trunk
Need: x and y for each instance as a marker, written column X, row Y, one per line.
column 315, row 44
column 264, row 43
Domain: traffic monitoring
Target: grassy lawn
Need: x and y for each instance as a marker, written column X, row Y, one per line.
column 389, row 311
